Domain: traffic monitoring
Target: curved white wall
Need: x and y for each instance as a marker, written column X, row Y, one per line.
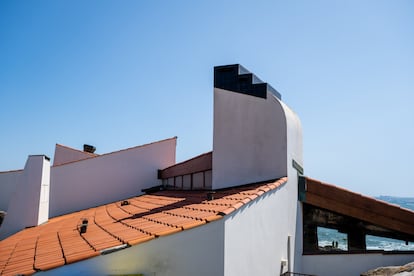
column 294, row 152
column 249, row 140
column 257, row 139
column 265, row 232
column 108, row 178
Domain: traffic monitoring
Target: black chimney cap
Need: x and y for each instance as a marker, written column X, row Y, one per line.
column 236, row 78
column 88, row 148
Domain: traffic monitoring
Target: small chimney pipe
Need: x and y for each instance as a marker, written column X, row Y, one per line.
column 88, row 148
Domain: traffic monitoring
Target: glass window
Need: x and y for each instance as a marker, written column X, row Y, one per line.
column 387, row 244
column 332, row 240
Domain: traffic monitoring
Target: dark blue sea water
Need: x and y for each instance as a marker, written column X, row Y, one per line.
column 327, row 236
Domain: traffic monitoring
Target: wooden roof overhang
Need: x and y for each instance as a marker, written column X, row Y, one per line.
column 197, row 164
column 357, row 206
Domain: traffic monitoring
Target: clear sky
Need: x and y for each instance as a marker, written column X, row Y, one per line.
column 116, row 74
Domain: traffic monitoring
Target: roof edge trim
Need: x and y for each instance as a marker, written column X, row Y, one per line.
column 122, row 150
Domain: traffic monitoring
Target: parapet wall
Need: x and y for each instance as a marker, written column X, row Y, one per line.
column 109, row 177
column 8, row 182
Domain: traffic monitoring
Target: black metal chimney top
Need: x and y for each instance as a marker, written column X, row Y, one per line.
column 88, row 148
column 236, row 78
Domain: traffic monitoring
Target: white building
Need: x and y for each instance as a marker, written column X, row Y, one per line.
column 244, row 208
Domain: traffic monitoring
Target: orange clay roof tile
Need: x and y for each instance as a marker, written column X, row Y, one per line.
column 18, row 271
column 227, row 211
column 129, row 222
column 140, row 239
column 48, row 264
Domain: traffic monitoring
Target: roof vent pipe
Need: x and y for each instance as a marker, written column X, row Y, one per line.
column 88, row 148
column 210, row 196
column 84, row 226
column 125, row 202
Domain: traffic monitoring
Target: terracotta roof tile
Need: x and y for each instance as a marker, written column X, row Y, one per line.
column 227, row 211
column 140, row 239
column 48, row 264
column 207, row 207
column 124, row 223
column 18, row 271
column 246, row 200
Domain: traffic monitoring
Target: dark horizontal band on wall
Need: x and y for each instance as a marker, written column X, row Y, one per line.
column 197, row 164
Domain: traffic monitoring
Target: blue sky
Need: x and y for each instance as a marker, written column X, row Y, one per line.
column 117, row 74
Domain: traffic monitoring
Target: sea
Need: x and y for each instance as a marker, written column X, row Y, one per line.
column 327, row 237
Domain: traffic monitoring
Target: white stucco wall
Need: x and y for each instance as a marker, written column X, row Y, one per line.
column 8, row 184
column 256, row 236
column 108, row 178
column 44, row 194
column 298, row 241
column 265, row 139
column 197, row 251
column 294, row 152
column 28, row 205
column 65, row 154
column 261, row 234
column 249, row 139
column 350, row 264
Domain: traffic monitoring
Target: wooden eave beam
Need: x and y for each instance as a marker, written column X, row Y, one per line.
column 360, row 207
column 200, row 163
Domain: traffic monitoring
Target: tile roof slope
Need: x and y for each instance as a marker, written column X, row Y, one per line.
column 120, row 224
